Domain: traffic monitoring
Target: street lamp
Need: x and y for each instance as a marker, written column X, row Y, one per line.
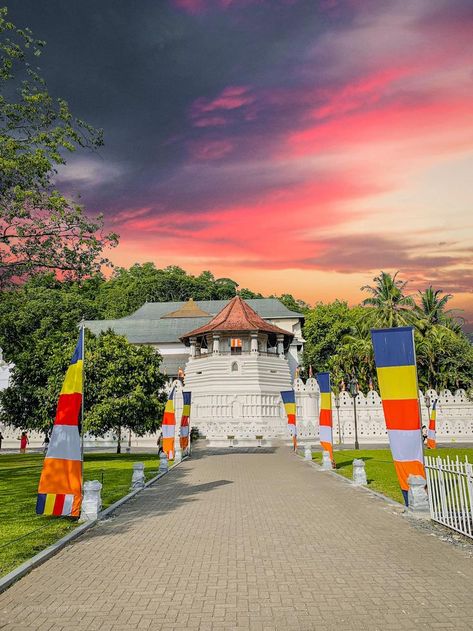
column 353, row 388
column 427, row 404
column 337, row 405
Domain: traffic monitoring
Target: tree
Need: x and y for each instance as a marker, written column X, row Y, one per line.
column 324, row 329
column 393, row 307
column 125, row 388
column 129, row 289
column 39, row 228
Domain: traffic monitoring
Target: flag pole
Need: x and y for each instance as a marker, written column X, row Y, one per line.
column 82, row 335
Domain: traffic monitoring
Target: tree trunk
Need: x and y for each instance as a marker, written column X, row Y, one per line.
column 119, row 443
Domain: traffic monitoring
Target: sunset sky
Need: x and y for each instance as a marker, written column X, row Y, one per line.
column 295, row 146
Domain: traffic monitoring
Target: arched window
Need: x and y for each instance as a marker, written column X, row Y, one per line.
column 235, row 367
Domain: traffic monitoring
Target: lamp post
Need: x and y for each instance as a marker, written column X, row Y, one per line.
column 353, row 387
column 337, row 405
column 427, row 404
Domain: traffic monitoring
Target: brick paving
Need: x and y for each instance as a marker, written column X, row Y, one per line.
column 249, row 541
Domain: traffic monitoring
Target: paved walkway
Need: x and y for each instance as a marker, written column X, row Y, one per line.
column 253, row 541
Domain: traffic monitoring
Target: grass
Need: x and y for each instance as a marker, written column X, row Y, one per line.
column 22, row 532
column 379, row 466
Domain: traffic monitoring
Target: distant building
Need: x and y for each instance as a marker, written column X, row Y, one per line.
column 162, row 325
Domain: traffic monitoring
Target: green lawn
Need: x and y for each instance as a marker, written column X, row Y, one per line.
column 19, row 476
column 379, row 466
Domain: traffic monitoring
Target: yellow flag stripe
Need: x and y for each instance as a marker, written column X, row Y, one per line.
column 398, row 382
column 186, row 410
column 49, row 504
column 325, row 401
column 73, row 381
column 290, row 408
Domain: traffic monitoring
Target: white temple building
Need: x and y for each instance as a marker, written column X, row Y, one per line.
column 236, row 370
column 162, row 325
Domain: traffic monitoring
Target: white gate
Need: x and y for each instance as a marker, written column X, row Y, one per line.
column 450, row 485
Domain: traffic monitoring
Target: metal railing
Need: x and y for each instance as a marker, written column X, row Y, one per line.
column 450, row 486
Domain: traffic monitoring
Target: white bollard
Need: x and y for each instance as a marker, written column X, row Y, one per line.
column 178, row 455
column 308, row 452
column 91, row 501
column 417, row 494
column 326, row 462
column 138, row 477
column 359, row 472
column 163, row 463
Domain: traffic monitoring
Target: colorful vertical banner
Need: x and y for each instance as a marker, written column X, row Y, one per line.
column 169, row 426
column 60, row 484
column 289, row 400
column 431, row 432
column 186, row 412
column 325, row 418
column 394, row 355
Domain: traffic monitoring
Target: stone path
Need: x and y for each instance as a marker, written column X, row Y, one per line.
column 253, row 541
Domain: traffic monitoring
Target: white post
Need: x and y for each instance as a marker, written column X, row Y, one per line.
column 193, row 342
column 216, row 344
column 254, row 342
column 308, row 452
column 178, row 455
column 326, row 462
column 359, row 472
column 163, row 463
column 138, row 477
column 91, row 502
column 418, row 502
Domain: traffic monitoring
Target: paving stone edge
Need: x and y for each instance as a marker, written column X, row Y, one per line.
column 26, row 567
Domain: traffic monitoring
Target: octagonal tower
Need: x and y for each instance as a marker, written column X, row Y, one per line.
column 236, row 371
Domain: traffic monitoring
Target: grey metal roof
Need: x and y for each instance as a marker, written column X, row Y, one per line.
column 147, row 326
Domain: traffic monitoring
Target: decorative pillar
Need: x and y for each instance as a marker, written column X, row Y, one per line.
column 193, row 342
column 138, row 478
column 254, row 342
column 216, row 344
column 359, row 472
column 418, row 501
column 326, row 461
column 280, row 340
column 91, row 502
column 163, row 463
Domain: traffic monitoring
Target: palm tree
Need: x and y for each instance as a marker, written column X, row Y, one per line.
column 431, row 310
column 393, row 307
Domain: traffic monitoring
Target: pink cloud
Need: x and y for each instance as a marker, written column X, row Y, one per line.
column 209, row 149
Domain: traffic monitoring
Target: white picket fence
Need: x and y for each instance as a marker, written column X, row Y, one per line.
column 450, row 486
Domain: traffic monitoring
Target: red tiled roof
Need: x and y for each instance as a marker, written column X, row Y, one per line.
column 237, row 316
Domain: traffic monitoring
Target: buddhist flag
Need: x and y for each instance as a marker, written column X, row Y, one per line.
column 431, row 432
column 169, row 426
column 186, row 411
column 289, row 400
column 60, row 485
column 395, row 359
column 325, row 418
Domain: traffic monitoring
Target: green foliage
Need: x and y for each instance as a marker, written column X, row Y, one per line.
column 40, row 229
column 124, row 386
column 393, row 307
column 38, row 332
column 129, row 289
column 326, row 325
column 338, row 337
